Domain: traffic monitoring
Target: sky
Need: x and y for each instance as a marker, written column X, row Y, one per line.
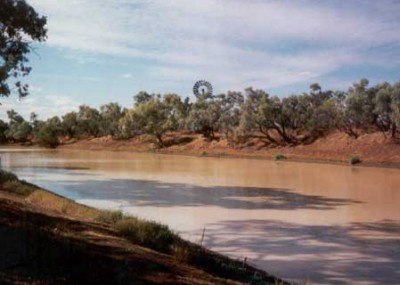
column 103, row 51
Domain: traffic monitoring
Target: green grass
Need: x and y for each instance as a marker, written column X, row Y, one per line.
column 109, row 217
column 9, row 182
column 18, row 187
column 354, row 160
column 142, row 232
column 279, row 156
column 147, row 233
column 160, row 238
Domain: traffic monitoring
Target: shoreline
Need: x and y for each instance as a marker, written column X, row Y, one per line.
column 233, row 154
column 239, row 155
column 70, row 230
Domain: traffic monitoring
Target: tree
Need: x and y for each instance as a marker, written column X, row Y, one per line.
column 395, row 106
column 142, row 97
column 384, row 109
column 70, row 124
column 89, row 120
column 3, row 129
column 158, row 117
column 48, row 132
column 204, row 116
column 19, row 130
column 230, row 112
column 19, row 25
column 361, row 113
column 258, row 112
column 130, row 125
column 110, row 114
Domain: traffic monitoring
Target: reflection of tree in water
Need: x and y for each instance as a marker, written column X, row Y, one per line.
column 360, row 252
column 153, row 193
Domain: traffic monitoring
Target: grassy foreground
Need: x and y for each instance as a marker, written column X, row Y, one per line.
column 48, row 239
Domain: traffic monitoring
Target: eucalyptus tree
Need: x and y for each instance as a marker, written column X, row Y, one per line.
column 395, row 105
column 70, row 124
column 130, row 124
column 142, row 97
column 18, row 130
column 110, row 114
column 204, row 117
column 384, row 109
column 49, row 132
column 20, row 25
column 259, row 111
column 158, row 116
column 230, row 107
column 3, row 129
column 88, row 121
column 359, row 113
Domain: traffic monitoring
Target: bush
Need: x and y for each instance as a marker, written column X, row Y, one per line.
column 18, row 187
column 354, row 160
column 6, row 176
column 146, row 233
column 109, row 217
column 280, row 156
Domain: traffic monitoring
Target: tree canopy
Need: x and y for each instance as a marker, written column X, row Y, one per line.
column 236, row 116
column 20, row 25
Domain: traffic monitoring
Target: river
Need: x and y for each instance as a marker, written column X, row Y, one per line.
column 331, row 224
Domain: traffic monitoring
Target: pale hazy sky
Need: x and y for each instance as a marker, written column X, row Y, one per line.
column 100, row 51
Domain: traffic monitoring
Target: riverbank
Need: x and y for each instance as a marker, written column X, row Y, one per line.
column 48, row 239
column 372, row 149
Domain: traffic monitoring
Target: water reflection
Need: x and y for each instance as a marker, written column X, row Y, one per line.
column 161, row 194
column 359, row 253
column 334, row 224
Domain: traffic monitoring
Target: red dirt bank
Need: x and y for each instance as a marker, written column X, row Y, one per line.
column 373, row 149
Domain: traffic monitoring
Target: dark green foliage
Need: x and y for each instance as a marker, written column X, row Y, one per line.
column 159, row 115
column 280, row 156
column 151, row 234
column 9, row 182
column 288, row 121
column 6, row 176
column 110, row 115
column 220, row 113
column 110, row 217
column 130, row 125
column 19, row 24
column 48, row 133
column 89, row 120
column 18, row 130
column 70, row 124
column 3, row 129
column 354, row 160
column 142, row 97
column 18, row 187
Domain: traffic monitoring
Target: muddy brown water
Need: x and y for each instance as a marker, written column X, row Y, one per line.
column 330, row 224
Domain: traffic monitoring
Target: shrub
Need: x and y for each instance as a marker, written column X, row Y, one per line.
column 6, row 176
column 109, row 217
column 280, row 156
column 354, row 160
column 146, row 233
column 18, row 187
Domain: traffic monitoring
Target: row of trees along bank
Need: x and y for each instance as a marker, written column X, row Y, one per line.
column 238, row 116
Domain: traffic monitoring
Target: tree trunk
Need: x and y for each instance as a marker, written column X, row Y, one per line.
column 267, row 135
column 159, row 140
column 394, row 128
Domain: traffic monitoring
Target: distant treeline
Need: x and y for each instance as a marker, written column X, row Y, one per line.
column 237, row 116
